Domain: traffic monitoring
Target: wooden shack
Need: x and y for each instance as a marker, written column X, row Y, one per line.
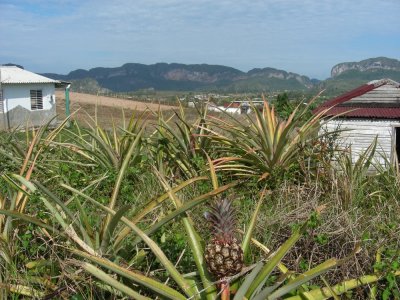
column 369, row 111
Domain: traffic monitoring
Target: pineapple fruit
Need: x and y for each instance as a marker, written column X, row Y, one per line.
column 223, row 253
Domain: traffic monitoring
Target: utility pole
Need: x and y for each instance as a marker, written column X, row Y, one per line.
column 67, row 103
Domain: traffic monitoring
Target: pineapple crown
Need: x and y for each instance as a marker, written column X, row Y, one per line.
column 222, row 220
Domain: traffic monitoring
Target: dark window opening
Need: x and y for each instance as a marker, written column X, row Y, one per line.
column 397, row 138
column 36, row 99
column 244, row 108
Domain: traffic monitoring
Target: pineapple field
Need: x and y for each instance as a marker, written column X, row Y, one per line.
column 188, row 204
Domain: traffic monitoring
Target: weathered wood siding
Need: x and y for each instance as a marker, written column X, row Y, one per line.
column 359, row 134
column 387, row 94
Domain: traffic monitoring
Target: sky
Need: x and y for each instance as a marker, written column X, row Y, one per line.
column 303, row 36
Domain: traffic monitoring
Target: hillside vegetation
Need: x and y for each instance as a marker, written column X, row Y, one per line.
column 222, row 79
column 181, row 77
column 347, row 76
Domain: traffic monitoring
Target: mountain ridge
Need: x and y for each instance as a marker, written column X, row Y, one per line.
column 174, row 76
column 367, row 64
column 206, row 77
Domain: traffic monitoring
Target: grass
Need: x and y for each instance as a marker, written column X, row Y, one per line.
column 94, row 213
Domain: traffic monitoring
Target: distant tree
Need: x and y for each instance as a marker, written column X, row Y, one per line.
column 13, row 65
column 283, row 106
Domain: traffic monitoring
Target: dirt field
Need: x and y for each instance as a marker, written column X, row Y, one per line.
column 83, row 107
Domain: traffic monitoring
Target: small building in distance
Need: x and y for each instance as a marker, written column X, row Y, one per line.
column 26, row 99
column 237, row 107
column 369, row 111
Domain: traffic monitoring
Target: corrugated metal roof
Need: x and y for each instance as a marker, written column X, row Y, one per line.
column 339, row 107
column 15, row 75
column 358, row 112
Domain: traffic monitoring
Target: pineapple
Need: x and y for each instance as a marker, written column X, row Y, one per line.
column 223, row 253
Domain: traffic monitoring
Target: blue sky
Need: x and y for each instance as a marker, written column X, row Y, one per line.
column 301, row 36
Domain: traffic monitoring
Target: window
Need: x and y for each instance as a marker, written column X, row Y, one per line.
column 36, row 99
column 397, row 144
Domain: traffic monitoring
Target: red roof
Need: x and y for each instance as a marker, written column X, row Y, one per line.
column 336, row 106
column 232, row 105
column 358, row 112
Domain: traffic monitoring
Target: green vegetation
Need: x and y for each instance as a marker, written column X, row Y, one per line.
column 133, row 77
column 89, row 213
column 88, row 85
column 266, row 83
column 147, row 80
column 352, row 79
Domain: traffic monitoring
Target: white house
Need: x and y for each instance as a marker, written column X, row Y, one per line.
column 369, row 111
column 237, row 107
column 26, row 99
column 232, row 109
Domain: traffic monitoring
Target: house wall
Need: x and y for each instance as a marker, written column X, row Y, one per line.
column 17, row 105
column 359, row 134
column 231, row 110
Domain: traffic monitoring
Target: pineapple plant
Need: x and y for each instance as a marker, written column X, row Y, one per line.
column 223, row 253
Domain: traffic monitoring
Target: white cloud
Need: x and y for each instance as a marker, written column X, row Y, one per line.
column 288, row 34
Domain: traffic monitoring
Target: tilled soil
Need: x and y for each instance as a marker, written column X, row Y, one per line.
column 84, row 108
